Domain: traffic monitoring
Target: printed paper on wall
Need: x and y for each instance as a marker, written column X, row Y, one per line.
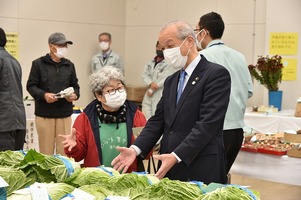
column 283, row 43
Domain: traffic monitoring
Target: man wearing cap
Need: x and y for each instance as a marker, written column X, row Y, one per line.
column 49, row 75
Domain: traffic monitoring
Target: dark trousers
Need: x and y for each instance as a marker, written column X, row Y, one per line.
column 12, row 140
column 232, row 142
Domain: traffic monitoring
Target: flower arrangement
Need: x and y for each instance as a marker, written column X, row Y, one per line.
column 268, row 71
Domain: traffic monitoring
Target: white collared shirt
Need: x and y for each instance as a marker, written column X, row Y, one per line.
column 190, row 68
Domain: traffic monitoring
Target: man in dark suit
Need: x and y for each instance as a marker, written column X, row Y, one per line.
column 192, row 128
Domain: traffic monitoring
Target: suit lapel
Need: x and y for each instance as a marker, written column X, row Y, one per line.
column 193, row 81
column 173, row 97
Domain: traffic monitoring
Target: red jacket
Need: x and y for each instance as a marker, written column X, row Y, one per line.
column 87, row 134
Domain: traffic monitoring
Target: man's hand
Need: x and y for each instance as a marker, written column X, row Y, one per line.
column 49, row 97
column 153, row 86
column 70, row 140
column 124, row 160
column 71, row 98
column 168, row 161
column 149, row 92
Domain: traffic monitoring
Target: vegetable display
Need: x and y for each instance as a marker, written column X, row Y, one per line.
column 61, row 176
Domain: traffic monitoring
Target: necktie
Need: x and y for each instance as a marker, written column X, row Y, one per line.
column 104, row 56
column 181, row 84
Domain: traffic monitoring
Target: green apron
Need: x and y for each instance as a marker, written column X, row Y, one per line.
column 110, row 138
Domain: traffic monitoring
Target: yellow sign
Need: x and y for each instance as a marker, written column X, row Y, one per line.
column 283, row 43
column 289, row 72
column 12, row 44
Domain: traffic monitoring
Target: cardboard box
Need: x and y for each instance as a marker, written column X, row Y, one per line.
column 295, row 138
column 296, row 148
column 135, row 93
column 294, row 153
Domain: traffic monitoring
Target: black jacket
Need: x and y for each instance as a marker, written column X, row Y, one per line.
column 48, row 76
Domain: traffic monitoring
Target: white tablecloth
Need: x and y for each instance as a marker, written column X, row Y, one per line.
column 276, row 122
column 282, row 169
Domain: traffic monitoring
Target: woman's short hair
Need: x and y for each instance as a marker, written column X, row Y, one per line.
column 102, row 77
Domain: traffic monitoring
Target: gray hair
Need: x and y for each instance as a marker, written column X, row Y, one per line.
column 183, row 29
column 102, row 77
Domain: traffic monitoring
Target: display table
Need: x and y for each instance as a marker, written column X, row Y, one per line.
column 282, row 169
column 275, row 123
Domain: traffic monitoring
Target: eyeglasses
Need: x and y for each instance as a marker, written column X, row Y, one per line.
column 197, row 29
column 113, row 91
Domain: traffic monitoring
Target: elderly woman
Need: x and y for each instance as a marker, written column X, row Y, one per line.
column 105, row 123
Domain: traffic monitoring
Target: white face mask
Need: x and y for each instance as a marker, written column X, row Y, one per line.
column 174, row 57
column 116, row 100
column 61, row 52
column 199, row 43
column 104, row 45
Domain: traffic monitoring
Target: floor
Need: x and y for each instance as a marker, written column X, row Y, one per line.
column 269, row 190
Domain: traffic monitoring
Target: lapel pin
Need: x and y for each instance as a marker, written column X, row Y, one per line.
column 195, row 80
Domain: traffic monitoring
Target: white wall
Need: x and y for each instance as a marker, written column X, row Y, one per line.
column 285, row 18
column 245, row 23
column 135, row 25
column 81, row 22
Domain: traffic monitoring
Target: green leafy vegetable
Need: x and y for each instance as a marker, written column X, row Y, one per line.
column 11, row 158
column 15, row 178
column 87, row 176
column 55, row 191
column 99, row 191
column 230, row 193
column 47, row 168
column 168, row 189
column 125, row 181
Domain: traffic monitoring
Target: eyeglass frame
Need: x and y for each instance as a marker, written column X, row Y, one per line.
column 111, row 92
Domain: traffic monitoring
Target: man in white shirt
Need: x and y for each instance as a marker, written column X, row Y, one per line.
column 209, row 31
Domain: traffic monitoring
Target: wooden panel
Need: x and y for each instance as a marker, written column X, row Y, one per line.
column 135, row 93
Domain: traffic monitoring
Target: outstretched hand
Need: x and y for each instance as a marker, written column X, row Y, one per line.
column 124, row 160
column 70, row 140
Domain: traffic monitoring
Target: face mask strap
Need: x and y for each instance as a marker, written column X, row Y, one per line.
column 188, row 51
column 202, row 30
column 183, row 42
column 182, row 45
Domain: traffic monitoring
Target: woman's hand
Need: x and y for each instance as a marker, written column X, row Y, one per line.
column 70, row 140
